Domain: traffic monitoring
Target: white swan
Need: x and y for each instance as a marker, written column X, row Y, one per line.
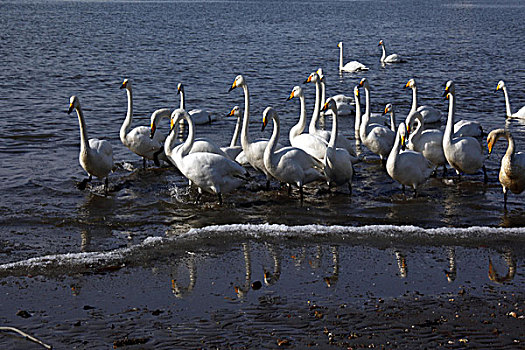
column 512, row 170
column 352, row 66
column 96, row 156
column 337, row 162
column 389, row 109
column 462, row 153
column 253, row 151
column 199, row 116
column 343, row 102
column 342, row 142
column 429, row 114
column 393, row 58
column 233, row 150
column 428, row 142
column 290, row 165
column 377, row 138
column 518, row 114
column 409, row 168
column 141, row 140
column 210, row 172
column 311, row 144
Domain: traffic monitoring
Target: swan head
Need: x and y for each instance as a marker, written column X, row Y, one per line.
column 411, row 84
column 180, row 88
column 312, row 78
column 493, row 136
column 126, row 84
column 239, row 81
column 402, row 132
column 501, row 85
column 356, row 91
column 364, row 83
column 388, row 108
column 235, row 112
column 450, row 88
column 380, row 42
column 296, row 92
column 176, row 117
column 73, row 104
column 330, row 105
column 269, row 113
column 319, row 72
column 340, row 44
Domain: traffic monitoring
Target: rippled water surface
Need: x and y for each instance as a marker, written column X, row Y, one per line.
column 51, row 50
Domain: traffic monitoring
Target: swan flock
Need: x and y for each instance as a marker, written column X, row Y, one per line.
column 315, row 156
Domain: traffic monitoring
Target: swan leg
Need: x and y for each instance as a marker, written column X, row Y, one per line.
column 485, row 177
column 143, row 163
column 350, row 187
column 505, row 199
column 199, row 195
column 82, row 184
column 289, row 189
column 156, row 157
column 415, row 192
column 403, row 188
column 301, row 193
column 219, row 195
column 106, row 185
column 444, row 171
column 267, row 184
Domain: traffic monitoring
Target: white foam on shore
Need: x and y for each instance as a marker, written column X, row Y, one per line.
column 64, row 263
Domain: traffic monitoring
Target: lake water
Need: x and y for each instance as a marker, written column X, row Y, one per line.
column 62, row 249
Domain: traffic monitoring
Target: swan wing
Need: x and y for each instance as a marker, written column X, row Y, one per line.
column 429, row 114
column 519, row 114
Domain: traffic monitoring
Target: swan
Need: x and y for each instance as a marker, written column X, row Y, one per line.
column 389, row 108
column 140, row 140
column 408, row 167
column 311, row 144
column 290, row 165
column 199, row 116
column 393, row 58
column 512, row 170
column 462, row 153
column 253, row 151
column 343, row 102
column 377, row 138
column 352, row 66
column 518, row 114
column 337, row 162
column 233, row 150
column 96, row 156
column 210, row 172
column 429, row 114
column 342, row 142
column 428, row 142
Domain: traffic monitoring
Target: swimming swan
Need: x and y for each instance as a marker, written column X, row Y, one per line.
column 462, row 153
column 139, row 140
column 337, row 162
column 408, row 167
column 393, row 58
column 199, row 116
column 290, row 165
column 210, row 172
column 429, row 114
column 512, row 170
column 96, row 156
column 352, row 66
column 518, row 114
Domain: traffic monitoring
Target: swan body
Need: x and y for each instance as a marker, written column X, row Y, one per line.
column 337, row 162
column 470, row 128
column 233, row 150
column 343, row 102
column 210, row 172
column 311, row 144
column 290, row 165
column 409, row 168
column 342, row 142
column 199, row 116
column 142, row 140
column 429, row 113
column 96, row 156
column 512, row 170
column 464, row 154
column 352, row 66
column 393, row 58
column 428, row 142
column 377, row 138
column 518, row 114
column 253, row 151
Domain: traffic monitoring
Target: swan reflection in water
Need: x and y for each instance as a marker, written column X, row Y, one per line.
column 241, row 291
column 178, row 290
column 451, row 273
column 401, row 263
column 510, row 260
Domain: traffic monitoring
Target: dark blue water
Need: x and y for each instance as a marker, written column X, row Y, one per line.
column 51, row 50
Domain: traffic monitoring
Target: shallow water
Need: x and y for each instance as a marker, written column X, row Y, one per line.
column 52, row 49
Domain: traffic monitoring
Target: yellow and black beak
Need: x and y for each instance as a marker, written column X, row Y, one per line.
column 357, row 92
column 124, row 84
column 386, row 111
column 403, row 142
column 231, row 113
column 408, row 129
column 264, row 123
column 490, row 144
column 408, row 84
column 325, row 107
column 498, row 87
column 309, row 79
column 153, row 129
column 292, row 95
column 70, row 109
column 445, row 93
column 234, row 85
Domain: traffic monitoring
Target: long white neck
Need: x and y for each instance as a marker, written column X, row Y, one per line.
column 245, row 141
column 333, row 135
column 341, row 57
column 272, row 143
column 188, row 144
column 298, row 128
column 84, row 143
column 124, row 129
column 357, row 116
column 236, row 133
column 169, row 143
column 367, row 101
column 312, row 129
column 507, row 102
column 392, row 120
column 182, row 102
column 416, row 133
column 395, row 150
column 323, row 94
column 447, row 137
column 384, row 53
column 414, row 99
column 365, row 118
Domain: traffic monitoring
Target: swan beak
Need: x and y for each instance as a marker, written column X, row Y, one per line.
column 265, row 122
column 386, row 111
column 153, row 129
column 357, row 92
column 403, row 143
column 234, row 85
column 489, row 146
column 445, row 93
column 408, row 84
column 230, row 114
column 309, row 79
column 408, row 129
column 179, row 89
column 325, row 107
column 361, row 83
column 124, row 84
column 292, row 95
column 70, row 109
